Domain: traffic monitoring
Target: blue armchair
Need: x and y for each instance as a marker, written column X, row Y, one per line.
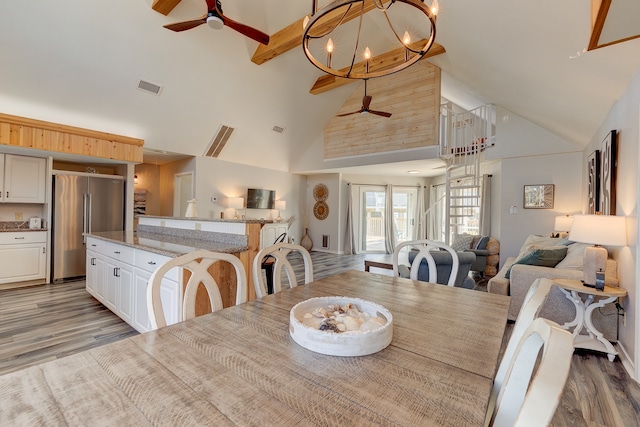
column 443, row 266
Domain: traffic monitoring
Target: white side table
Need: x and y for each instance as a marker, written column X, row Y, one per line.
column 594, row 340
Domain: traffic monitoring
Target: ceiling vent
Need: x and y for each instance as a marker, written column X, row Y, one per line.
column 149, row 87
column 218, row 141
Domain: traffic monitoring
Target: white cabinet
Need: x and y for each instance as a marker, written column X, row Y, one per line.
column 23, row 256
column 117, row 276
column 270, row 232
column 23, row 179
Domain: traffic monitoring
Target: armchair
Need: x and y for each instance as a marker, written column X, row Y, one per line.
column 443, row 265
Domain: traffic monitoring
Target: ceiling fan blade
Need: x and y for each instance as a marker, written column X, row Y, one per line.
column 186, row 25
column 366, row 102
column 248, row 31
column 348, row 114
column 380, row 113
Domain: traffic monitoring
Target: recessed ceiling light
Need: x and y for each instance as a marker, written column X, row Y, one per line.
column 413, row 172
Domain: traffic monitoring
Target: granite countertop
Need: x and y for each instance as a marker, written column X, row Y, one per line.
column 167, row 245
column 13, row 226
column 242, row 221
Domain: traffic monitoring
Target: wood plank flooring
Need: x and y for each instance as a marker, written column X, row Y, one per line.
column 46, row 322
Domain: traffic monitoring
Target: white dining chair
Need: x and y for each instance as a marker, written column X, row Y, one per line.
column 535, row 377
column 198, row 264
column 533, row 301
column 279, row 252
column 424, row 247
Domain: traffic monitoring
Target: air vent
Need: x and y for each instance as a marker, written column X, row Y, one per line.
column 278, row 129
column 218, row 141
column 149, row 87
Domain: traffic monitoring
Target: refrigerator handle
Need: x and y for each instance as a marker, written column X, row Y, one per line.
column 89, row 199
column 85, row 217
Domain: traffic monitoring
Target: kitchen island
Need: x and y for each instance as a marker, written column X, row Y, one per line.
column 120, row 263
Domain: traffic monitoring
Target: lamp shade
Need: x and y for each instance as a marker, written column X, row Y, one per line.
column 563, row 223
column 606, row 230
column 281, row 205
column 236, row 202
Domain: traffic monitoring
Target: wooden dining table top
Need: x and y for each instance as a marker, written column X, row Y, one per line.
column 239, row 366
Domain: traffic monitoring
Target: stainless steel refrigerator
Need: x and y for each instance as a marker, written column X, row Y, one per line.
column 82, row 203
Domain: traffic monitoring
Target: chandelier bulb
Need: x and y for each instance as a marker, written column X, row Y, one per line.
column 406, row 38
column 367, row 54
column 435, row 7
column 330, row 45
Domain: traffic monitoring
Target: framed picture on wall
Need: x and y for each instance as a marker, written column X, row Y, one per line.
column 608, row 163
column 593, row 184
column 538, row 196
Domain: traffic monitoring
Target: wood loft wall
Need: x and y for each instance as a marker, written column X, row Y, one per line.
column 412, row 96
column 29, row 133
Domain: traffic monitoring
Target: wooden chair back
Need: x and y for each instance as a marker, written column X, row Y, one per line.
column 424, row 247
column 528, row 398
column 279, row 252
column 198, row 264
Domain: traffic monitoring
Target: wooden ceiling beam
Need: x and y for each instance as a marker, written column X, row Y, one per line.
column 290, row 36
column 381, row 62
column 164, row 6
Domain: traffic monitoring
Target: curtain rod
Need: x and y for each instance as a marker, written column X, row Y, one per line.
column 382, row 185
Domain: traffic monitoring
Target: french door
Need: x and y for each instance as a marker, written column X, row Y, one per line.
column 372, row 226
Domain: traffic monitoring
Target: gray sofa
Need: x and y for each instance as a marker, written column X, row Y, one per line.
column 557, row 307
column 443, row 266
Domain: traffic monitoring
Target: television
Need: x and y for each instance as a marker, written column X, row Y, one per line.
column 261, row 199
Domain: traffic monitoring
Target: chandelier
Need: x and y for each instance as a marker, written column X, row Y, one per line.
column 340, row 41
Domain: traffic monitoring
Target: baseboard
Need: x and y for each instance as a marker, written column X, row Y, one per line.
column 627, row 362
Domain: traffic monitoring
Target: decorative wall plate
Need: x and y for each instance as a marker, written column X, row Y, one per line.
column 320, row 192
column 321, row 210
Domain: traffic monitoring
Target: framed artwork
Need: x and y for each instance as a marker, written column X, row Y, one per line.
column 593, row 184
column 538, row 196
column 608, row 163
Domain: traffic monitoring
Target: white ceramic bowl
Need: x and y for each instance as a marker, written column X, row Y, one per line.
column 345, row 343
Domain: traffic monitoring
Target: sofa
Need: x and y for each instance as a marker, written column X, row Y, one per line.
column 515, row 279
column 443, row 267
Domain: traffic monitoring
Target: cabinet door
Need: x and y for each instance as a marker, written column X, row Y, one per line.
column 140, row 318
column 22, row 262
column 1, row 177
column 91, row 273
column 171, row 296
column 24, row 179
column 112, row 284
column 125, row 294
column 270, row 232
column 99, row 277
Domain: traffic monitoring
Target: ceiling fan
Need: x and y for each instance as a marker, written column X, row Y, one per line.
column 216, row 20
column 366, row 101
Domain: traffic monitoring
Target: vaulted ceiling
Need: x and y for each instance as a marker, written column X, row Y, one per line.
column 79, row 63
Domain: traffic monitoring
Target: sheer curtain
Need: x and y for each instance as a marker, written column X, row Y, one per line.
column 389, row 223
column 350, row 246
column 420, row 230
column 485, row 207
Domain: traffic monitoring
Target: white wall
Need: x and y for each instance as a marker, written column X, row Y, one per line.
column 562, row 170
column 624, row 117
column 224, row 179
column 333, row 224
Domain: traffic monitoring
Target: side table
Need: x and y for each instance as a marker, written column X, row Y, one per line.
column 594, row 340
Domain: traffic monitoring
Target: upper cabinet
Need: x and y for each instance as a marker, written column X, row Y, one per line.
column 22, row 179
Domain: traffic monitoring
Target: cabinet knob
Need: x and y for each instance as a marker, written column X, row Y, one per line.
column 19, row 238
column 116, row 252
column 151, row 263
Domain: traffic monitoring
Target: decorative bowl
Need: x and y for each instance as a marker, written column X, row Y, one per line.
column 349, row 343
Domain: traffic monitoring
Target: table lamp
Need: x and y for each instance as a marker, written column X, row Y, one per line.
column 598, row 230
column 280, row 206
column 236, row 203
column 562, row 225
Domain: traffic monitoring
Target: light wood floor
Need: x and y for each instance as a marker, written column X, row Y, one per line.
column 46, row 322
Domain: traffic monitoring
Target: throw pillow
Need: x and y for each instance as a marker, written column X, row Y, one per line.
column 461, row 242
column 574, row 258
column 540, row 241
column 541, row 256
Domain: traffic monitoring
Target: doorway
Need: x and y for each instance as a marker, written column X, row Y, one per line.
column 183, row 192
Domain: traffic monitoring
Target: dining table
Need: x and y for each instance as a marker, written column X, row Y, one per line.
column 240, row 366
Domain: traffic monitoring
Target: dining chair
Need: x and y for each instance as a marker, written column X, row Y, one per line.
column 268, row 261
column 535, row 377
column 279, row 252
column 533, row 301
column 424, row 247
column 198, row 264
